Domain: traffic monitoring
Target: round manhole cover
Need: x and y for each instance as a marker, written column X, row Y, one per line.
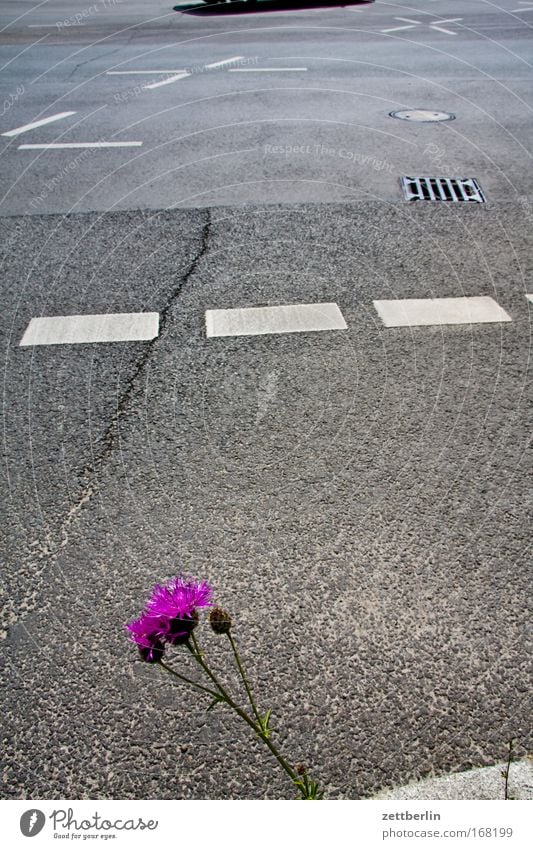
column 422, row 115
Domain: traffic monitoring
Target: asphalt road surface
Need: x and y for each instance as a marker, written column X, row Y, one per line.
column 358, row 497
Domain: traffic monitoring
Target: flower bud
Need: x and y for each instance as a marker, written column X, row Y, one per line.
column 220, row 621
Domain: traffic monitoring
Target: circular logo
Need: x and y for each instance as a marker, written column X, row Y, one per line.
column 32, row 822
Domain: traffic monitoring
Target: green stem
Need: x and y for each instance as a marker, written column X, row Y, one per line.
column 187, row 680
column 243, row 676
column 198, row 656
column 506, row 773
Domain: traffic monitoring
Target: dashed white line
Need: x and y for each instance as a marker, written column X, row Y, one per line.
column 71, row 145
column 41, row 123
column 224, row 62
column 262, row 70
column 158, row 72
column 441, row 29
column 74, row 145
column 77, row 329
column 173, row 79
column 258, row 321
column 396, row 29
column 413, row 312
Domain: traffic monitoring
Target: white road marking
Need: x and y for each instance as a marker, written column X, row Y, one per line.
column 173, row 79
column 40, row 123
column 530, row 298
column 224, row 62
column 441, row 29
column 167, row 71
column 413, row 312
column 258, row 321
column 71, row 145
column 435, row 25
column 396, row 29
column 76, row 329
column 527, row 9
column 262, row 70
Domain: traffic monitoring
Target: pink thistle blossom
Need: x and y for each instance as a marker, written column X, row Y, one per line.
column 169, row 617
column 146, row 633
column 179, row 598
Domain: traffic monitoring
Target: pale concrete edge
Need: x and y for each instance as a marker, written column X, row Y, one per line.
column 477, row 783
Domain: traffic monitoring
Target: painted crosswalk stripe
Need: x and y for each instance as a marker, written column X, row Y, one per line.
column 258, row 321
column 75, row 329
column 71, row 145
column 413, row 312
column 169, row 80
column 41, row 123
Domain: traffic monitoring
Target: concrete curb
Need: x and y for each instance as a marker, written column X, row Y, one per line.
column 484, row 783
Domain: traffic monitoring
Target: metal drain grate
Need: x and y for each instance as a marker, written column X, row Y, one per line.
column 443, row 188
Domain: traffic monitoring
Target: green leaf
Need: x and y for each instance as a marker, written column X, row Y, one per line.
column 214, row 703
column 308, row 788
column 264, row 723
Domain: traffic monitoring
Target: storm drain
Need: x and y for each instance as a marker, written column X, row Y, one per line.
column 443, row 188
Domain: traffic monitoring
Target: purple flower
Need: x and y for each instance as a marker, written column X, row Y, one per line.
column 179, row 598
column 169, row 617
column 176, row 603
column 146, row 633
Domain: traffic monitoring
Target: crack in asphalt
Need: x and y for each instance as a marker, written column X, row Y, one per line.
column 102, row 56
column 111, row 435
column 42, row 552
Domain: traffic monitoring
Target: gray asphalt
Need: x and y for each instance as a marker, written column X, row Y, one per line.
column 359, row 499
column 202, row 134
